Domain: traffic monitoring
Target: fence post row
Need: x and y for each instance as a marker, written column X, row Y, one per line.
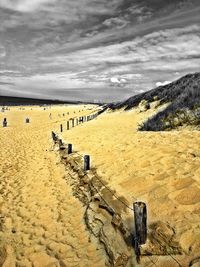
column 61, row 128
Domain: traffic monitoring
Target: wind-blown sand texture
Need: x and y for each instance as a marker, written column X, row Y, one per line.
column 159, row 168
column 41, row 221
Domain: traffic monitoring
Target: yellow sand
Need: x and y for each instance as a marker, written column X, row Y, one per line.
column 41, row 222
column 160, row 168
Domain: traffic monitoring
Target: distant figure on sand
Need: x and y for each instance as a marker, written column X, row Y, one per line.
column 50, row 116
column 5, row 122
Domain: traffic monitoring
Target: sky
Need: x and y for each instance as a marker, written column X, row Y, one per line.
column 96, row 50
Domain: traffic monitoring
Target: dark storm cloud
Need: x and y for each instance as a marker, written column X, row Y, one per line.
column 125, row 46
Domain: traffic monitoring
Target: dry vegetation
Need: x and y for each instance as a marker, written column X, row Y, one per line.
column 183, row 97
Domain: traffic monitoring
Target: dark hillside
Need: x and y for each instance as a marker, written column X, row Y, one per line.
column 183, row 97
column 165, row 93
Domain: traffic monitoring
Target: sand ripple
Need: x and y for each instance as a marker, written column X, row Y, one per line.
column 41, row 223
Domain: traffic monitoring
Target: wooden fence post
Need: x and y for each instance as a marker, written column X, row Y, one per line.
column 72, row 122
column 4, row 122
column 60, row 142
column 69, row 148
column 61, row 128
column 86, row 163
column 53, row 136
column 76, row 121
column 140, row 218
column 67, row 125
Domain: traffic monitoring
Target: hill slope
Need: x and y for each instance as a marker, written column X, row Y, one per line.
column 183, row 97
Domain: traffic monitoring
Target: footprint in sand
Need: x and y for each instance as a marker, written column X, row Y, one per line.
column 188, row 196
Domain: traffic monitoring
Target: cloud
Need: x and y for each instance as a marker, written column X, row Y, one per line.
column 2, row 52
column 6, row 83
column 118, row 81
column 24, row 5
column 114, row 80
column 116, row 22
column 162, row 83
column 129, row 46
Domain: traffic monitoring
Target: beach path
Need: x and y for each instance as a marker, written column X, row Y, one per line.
column 41, row 222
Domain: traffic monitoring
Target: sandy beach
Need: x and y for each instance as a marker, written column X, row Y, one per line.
column 42, row 223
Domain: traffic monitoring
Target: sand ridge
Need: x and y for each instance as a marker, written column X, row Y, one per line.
column 160, row 168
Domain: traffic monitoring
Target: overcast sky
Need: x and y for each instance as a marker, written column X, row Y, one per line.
column 96, row 49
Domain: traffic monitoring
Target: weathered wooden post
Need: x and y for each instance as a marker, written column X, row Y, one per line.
column 27, row 120
column 72, row 122
column 60, row 143
column 140, row 218
column 86, row 166
column 5, row 122
column 76, row 121
column 61, row 128
column 53, row 136
column 67, row 125
column 69, row 148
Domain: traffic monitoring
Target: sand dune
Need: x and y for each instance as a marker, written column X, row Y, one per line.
column 41, row 221
column 160, row 168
